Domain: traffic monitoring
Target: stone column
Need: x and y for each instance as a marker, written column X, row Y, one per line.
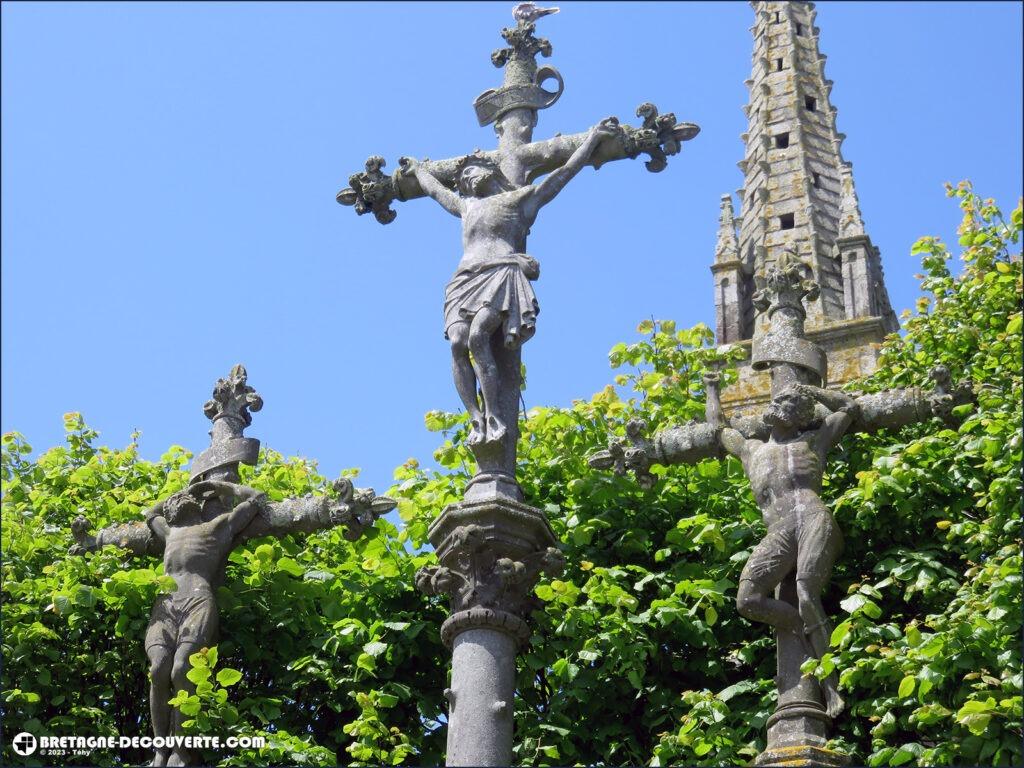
column 491, row 553
column 799, row 727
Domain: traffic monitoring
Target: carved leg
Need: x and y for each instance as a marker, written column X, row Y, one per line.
column 179, row 677
column 160, row 661
column 771, row 561
column 465, row 381
column 820, row 543
column 819, row 632
column 485, row 323
column 753, row 603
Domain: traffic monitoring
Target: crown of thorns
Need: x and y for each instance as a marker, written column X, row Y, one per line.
column 477, row 158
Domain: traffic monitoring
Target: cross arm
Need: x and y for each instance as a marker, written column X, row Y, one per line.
column 373, row 190
column 354, row 508
column 896, row 408
column 143, row 537
column 688, row 444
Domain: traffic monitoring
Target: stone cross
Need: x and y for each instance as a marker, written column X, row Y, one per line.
column 783, row 454
column 196, row 529
column 492, row 547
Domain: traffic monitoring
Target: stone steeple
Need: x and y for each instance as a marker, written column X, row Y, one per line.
column 798, row 197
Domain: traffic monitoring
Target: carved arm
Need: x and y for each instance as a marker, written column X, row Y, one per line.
column 546, row 191
column 447, row 199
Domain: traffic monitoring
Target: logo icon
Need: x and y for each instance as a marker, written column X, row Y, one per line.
column 24, row 744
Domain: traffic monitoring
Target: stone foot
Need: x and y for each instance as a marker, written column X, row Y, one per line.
column 476, row 433
column 495, row 430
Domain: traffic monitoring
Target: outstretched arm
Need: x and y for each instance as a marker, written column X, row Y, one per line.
column 448, row 200
column 353, row 508
column 545, row 192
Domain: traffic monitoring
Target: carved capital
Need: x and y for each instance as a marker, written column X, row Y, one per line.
column 371, row 191
column 490, row 557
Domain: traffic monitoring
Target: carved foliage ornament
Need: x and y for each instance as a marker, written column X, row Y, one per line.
column 522, row 45
column 371, row 191
column 477, row 576
column 233, row 398
column 786, row 285
column 658, row 137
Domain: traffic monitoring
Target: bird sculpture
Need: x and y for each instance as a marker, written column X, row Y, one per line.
column 527, row 13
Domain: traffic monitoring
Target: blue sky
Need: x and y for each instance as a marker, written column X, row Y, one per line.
column 169, row 172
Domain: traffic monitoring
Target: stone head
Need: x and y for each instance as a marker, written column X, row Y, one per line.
column 183, row 509
column 792, row 408
column 479, row 177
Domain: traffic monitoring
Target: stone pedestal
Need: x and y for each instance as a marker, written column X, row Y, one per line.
column 491, row 552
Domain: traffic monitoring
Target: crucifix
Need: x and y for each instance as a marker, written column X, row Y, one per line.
column 491, row 546
column 196, row 529
column 783, row 452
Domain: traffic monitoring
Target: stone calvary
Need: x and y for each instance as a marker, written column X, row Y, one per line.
column 491, row 546
column 800, row 289
column 783, row 452
column 196, row 529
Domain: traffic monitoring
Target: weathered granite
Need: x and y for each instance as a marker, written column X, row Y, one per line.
column 491, row 554
column 784, row 460
column 197, row 528
column 492, row 547
column 797, row 195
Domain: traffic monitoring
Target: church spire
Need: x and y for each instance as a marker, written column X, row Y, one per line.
column 798, row 192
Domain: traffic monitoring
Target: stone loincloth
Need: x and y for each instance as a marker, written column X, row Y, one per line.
column 502, row 285
column 178, row 619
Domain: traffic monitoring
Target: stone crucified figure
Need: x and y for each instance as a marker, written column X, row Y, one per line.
column 785, row 472
column 196, row 529
column 784, row 456
column 491, row 291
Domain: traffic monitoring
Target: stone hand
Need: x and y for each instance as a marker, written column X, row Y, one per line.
column 607, row 127
column 637, row 454
column 83, row 541
column 408, row 165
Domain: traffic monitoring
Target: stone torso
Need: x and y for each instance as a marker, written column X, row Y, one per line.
column 494, row 227
column 785, row 476
column 194, row 554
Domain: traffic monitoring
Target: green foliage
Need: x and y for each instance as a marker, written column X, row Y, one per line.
column 310, row 627
column 639, row 656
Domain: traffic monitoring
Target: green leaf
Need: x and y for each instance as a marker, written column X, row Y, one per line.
column 907, row 686
column 375, row 648
column 228, row 676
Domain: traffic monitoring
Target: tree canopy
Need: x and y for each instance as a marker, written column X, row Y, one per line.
column 639, row 655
